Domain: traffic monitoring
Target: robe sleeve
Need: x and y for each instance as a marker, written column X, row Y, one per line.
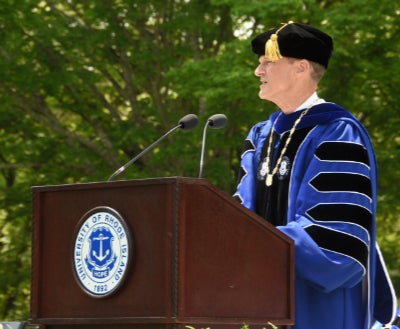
column 331, row 214
column 247, row 178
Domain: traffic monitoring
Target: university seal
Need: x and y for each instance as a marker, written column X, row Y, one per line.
column 101, row 252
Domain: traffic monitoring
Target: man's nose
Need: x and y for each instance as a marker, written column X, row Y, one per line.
column 258, row 71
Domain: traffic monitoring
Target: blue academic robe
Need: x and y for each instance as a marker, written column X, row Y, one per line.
column 324, row 197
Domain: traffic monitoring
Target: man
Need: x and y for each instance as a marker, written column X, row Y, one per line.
column 310, row 170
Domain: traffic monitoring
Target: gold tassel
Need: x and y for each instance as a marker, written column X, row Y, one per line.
column 272, row 48
column 272, row 51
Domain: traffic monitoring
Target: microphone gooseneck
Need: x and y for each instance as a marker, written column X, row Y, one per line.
column 188, row 122
column 216, row 121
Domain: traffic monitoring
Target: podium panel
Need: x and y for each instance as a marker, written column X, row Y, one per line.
column 196, row 257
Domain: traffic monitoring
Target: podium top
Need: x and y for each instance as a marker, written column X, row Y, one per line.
column 137, row 182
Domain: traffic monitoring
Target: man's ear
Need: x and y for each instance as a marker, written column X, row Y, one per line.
column 302, row 65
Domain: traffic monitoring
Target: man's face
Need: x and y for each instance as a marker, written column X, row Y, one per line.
column 276, row 77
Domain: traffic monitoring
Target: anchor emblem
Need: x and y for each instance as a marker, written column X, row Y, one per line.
column 101, row 256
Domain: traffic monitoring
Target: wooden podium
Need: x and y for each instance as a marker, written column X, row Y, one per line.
column 197, row 258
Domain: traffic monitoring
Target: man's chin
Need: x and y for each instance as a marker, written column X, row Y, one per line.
column 262, row 95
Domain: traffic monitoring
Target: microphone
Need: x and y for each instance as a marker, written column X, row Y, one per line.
column 188, row 122
column 216, row 121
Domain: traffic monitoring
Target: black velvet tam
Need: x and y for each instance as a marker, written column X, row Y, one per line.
column 298, row 41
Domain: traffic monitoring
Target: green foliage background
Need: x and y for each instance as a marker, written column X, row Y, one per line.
column 86, row 85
